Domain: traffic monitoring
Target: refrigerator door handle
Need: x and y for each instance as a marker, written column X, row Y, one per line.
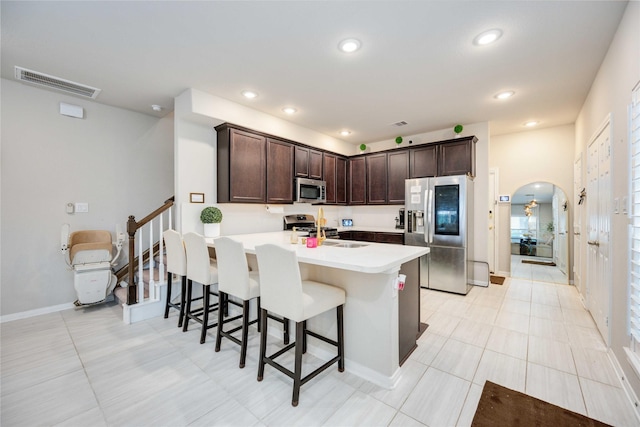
column 428, row 200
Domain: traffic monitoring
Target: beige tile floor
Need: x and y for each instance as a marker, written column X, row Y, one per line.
column 86, row 368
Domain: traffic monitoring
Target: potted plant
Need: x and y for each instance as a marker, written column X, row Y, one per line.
column 211, row 217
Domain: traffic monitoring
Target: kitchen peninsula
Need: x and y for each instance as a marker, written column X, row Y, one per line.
column 376, row 325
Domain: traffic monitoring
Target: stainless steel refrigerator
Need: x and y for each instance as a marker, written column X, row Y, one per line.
column 439, row 214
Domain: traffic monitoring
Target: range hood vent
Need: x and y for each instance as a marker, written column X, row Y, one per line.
column 401, row 123
column 44, row 80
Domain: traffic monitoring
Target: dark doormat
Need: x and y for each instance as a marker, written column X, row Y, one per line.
column 531, row 261
column 500, row 406
column 497, row 280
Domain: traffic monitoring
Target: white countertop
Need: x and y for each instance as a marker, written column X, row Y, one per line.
column 372, row 258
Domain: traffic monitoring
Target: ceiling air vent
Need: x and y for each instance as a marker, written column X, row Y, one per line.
column 51, row 82
column 402, row 123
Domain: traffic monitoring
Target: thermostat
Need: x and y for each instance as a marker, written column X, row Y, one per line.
column 504, row 198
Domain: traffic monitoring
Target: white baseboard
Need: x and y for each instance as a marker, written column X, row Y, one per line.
column 503, row 273
column 633, row 398
column 36, row 312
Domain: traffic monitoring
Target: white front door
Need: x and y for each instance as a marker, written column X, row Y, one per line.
column 599, row 227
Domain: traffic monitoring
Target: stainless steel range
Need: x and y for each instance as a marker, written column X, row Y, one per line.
column 307, row 223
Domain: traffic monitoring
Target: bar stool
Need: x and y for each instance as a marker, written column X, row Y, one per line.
column 200, row 269
column 176, row 264
column 235, row 278
column 284, row 293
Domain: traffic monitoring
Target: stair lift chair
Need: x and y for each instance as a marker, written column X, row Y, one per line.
column 91, row 257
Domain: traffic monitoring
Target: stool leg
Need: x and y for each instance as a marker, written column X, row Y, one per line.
column 297, row 374
column 166, row 305
column 263, row 343
column 245, row 332
column 304, row 337
column 187, row 312
column 285, row 321
column 220, row 322
column 340, row 338
column 205, row 313
column 183, row 290
column 258, row 311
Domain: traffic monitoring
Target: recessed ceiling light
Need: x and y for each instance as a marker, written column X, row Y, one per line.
column 349, row 45
column 505, row 94
column 487, row 37
column 289, row 110
column 345, row 132
column 531, row 123
column 249, row 94
column 156, row 107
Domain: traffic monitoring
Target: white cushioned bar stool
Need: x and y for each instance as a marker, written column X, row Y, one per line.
column 235, row 279
column 200, row 269
column 176, row 264
column 284, row 293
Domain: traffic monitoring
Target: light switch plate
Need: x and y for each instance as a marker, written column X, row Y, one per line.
column 82, row 207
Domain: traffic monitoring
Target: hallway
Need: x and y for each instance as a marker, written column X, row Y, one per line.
column 539, row 273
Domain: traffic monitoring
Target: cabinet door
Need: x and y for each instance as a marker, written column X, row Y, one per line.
column 341, row 180
column 330, row 177
column 247, row 167
column 396, row 238
column 357, row 181
column 456, row 158
column 302, row 162
column 377, row 179
column 279, row 171
column 315, row 164
column 423, row 161
column 397, row 172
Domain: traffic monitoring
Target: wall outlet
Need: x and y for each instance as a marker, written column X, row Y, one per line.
column 82, row 207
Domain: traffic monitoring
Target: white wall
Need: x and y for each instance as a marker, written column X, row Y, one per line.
column 544, row 155
column 118, row 161
column 611, row 94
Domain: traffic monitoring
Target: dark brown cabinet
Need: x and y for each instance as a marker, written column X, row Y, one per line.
column 376, row 179
column 373, row 236
column 335, row 175
column 357, row 181
column 279, row 171
column 397, row 172
column 423, row 161
column 308, row 163
column 242, row 166
column 457, row 157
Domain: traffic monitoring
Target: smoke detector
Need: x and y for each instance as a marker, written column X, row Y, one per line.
column 51, row 82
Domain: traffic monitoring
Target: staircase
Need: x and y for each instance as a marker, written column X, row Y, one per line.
column 141, row 281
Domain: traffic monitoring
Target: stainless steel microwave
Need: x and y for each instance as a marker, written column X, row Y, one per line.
column 311, row 190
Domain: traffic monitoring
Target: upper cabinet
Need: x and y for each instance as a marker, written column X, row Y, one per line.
column 242, row 166
column 457, row 157
column 257, row 168
column 279, row 171
column 335, row 175
column 451, row 157
column 308, row 163
column 357, row 181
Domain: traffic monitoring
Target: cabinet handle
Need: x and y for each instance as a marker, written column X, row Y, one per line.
column 593, row 242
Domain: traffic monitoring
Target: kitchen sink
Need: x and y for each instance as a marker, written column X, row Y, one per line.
column 344, row 244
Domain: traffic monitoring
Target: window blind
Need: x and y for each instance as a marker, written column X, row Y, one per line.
column 634, row 228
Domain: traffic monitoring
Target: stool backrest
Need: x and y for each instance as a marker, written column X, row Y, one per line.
column 280, row 283
column 198, row 264
column 233, row 271
column 176, row 257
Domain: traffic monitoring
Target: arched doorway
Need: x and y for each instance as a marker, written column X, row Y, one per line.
column 539, row 238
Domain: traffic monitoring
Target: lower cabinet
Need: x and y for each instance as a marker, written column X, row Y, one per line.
column 373, row 236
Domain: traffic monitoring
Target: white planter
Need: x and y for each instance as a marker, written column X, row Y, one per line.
column 211, row 230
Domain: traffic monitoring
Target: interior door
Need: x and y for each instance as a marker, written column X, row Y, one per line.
column 599, row 227
column 577, row 228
